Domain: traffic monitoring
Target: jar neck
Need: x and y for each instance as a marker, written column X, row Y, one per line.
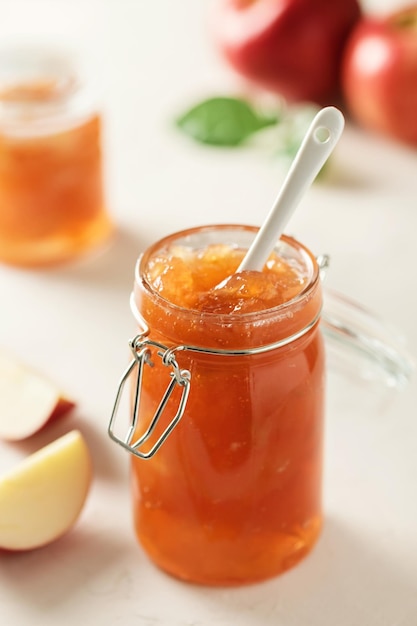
column 41, row 91
column 175, row 325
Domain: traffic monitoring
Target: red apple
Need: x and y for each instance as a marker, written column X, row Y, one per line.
column 290, row 47
column 379, row 74
column 28, row 400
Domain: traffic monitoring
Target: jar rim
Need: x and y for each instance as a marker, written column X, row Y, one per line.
column 228, row 318
column 23, row 67
column 42, row 90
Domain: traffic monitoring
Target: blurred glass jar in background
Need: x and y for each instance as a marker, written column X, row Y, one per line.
column 52, row 205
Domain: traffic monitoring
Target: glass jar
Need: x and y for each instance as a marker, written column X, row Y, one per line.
column 52, row 206
column 226, row 426
column 233, row 494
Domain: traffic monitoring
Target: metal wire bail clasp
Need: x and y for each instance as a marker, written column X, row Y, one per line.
column 142, row 357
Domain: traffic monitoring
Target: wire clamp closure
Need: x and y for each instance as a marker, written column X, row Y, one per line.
column 143, row 350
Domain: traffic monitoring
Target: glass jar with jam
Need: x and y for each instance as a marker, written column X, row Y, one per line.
column 234, row 493
column 52, row 205
column 227, row 406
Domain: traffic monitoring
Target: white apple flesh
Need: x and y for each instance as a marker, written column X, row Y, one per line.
column 28, row 400
column 42, row 497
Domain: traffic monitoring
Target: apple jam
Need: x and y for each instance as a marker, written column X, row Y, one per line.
column 234, row 493
column 51, row 188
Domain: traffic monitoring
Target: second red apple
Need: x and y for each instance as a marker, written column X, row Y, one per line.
column 380, row 74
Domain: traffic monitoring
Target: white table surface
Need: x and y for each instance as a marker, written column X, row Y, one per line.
column 152, row 60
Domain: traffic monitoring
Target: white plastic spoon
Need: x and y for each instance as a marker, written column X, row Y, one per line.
column 322, row 136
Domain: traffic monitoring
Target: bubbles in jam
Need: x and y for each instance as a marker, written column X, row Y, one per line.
column 193, row 279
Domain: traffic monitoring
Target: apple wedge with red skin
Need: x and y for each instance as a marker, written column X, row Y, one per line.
column 379, row 74
column 290, row 47
column 28, row 400
column 42, row 497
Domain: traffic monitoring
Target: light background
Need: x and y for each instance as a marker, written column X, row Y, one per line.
column 149, row 61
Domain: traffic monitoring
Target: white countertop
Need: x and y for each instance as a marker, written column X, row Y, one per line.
column 153, row 59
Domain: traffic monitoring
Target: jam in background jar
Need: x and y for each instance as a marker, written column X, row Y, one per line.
column 52, row 205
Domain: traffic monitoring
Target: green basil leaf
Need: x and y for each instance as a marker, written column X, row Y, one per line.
column 223, row 121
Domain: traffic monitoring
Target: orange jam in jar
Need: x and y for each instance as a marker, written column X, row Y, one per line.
column 233, row 495
column 51, row 186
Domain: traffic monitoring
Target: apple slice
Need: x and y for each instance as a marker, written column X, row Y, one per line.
column 28, row 400
column 42, row 497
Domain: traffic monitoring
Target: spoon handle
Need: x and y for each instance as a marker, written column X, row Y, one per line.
column 317, row 145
